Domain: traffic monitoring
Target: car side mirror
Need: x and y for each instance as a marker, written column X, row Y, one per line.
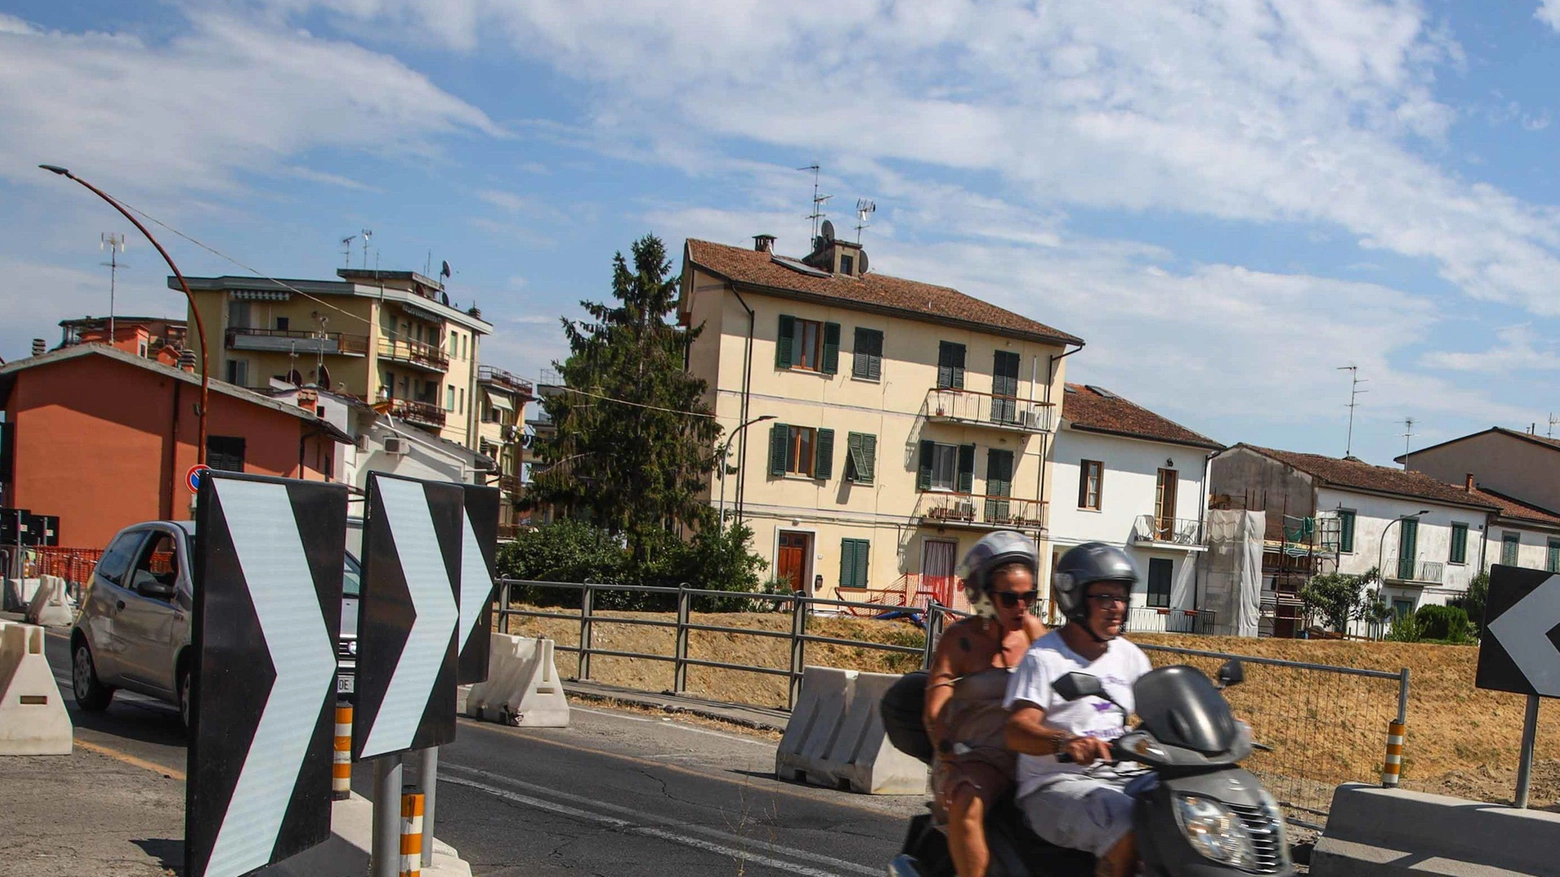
column 1231, row 673
column 155, row 590
column 1075, row 686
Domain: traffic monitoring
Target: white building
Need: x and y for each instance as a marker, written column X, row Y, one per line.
column 1124, row 475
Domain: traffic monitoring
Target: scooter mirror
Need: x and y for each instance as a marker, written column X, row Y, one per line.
column 1231, row 673
column 1078, row 685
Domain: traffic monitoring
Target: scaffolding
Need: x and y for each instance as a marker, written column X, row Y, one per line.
column 1295, row 549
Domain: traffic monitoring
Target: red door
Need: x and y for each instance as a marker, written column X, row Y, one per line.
column 791, row 566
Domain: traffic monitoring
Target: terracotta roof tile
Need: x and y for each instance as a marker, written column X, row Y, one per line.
column 1516, row 509
column 1359, row 474
column 872, row 291
column 1096, row 409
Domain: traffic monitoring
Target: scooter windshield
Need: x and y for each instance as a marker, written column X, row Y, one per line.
column 1181, row 707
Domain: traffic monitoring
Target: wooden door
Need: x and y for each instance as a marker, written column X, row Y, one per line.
column 1164, row 505
column 791, row 565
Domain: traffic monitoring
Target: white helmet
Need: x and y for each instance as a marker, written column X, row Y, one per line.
column 992, row 552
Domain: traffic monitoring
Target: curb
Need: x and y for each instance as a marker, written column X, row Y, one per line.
column 703, row 710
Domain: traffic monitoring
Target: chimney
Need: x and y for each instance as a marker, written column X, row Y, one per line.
column 764, row 243
column 187, row 360
column 39, row 347
column 1468, row 482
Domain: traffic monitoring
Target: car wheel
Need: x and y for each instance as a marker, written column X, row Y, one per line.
column 184, row 697
column 91, row 694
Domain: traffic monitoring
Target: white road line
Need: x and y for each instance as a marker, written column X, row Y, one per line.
column 672, row 722
column 649, row 831
column 640, row 817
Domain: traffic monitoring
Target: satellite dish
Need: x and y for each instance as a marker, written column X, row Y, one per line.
column 444, row 271
column 861, row 262
column 828, row 231
column 444, row 297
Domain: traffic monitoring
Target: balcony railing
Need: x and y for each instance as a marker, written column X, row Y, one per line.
column 1407, row 569
column 504, row 380
column 1167, row 531
column 984, row 409
column 296, row 341
column 413, row 412
column 509, row 483
column 980, row 511
column 415, row 353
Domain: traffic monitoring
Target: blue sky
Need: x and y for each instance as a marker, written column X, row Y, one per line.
column 1227, row 199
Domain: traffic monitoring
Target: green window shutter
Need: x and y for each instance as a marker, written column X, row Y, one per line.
column 869, row 455
column 863, row 550
column 923, row 477
column 867, row 358
column 1346, row 532
column 999, row 472
column 786, row 341
column 1459, row 543
column 823, row 468
column 831, row 348
column 848, row 563
column 852, row 456
column 779, row 440
column 966, row 469
column 1004, row 373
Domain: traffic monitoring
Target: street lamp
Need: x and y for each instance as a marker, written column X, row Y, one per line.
column 725, row 449
column 1381, row 548
column 200, row 326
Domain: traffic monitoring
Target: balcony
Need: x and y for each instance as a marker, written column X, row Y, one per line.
column 414, row 353
column 983, row 409
column 413, row 412
column 504, row 381
column 980, row 512
column 296, row 341
column 509, row 484
column 1406, row 571
column 1157, row 532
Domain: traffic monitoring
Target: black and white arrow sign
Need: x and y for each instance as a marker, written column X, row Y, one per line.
column 407, row 616
column 1520, row 651
column 479, row 545
column 267, row 613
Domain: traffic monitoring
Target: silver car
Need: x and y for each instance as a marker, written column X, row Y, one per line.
column 133, row 629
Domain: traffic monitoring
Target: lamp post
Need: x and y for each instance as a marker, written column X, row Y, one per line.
column 200, row 326
column 725, row 449
column 1381, row 548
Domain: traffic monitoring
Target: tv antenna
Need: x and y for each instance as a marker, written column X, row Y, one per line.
column 1552, row 421
column 817, row 201
column 368, row 234
column 864, row 211
column 346, row 250
column 115, row 244
column 1408, row 434
column 1354, row 391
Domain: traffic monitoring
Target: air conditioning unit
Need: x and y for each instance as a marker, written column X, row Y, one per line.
column 395, row 446
column 1033, row 418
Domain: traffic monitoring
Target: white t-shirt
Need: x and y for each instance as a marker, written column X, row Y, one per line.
column 1049, row 659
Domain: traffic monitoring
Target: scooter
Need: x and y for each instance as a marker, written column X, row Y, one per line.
column 1197, row 812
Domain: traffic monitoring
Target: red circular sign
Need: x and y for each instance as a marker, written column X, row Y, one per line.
column 192, row 477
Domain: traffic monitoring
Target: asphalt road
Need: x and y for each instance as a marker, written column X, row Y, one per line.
column 617, row 793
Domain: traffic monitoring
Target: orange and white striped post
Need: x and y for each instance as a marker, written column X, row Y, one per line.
column 411, row 834
column 1393, row 766
column 341, row 768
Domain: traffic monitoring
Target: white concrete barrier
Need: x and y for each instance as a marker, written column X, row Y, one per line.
column 346, row 854
column 51, row 606
column 33, row 720
column 835, row 737
column 19, row 593
column 522, row 687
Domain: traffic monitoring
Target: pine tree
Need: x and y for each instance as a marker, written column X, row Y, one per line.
column 634, row 436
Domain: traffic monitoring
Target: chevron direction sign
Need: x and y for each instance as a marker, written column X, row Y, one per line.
column 407, row 615
column 1520, row 649
column 267, row 614
column 478, row 552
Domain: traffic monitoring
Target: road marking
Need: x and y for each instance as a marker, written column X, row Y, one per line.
column 672, row 836
column 129, row 759
column 667, row 721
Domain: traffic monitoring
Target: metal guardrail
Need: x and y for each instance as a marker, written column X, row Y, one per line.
column 954, row 405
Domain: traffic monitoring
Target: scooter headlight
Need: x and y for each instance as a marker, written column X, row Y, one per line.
column 1215, row 831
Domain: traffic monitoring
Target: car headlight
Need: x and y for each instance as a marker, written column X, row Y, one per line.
column 1215, row 831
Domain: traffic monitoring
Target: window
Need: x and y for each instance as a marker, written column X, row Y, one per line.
column 281, row 324
column 848, row 265
column 238, row 315
column 853, row 562
column 808, row 345
column 1459, row 543
column 449, row 398
column 1401, row 609
column 1004, row 387
column 1552, row 557
column 999, row 483
column 1091, row 484
column 867, row 359
column 117, row 559
column 157, row 568
column 801, row 450
column 946, row 467
column 1346, row 531
column 950, row 366
column 1159, row 570
column 1509, row 542
column 238, row 372
column 860, row 458
column 225, row 452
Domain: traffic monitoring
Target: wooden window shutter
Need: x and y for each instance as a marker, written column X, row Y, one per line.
column 863, row 548
column 831, row 348
column 869, row 453
column 779, row 438
column 786, row 341
column 966, row 469
column 823, row 467
column 923, row 477
column 848, row 563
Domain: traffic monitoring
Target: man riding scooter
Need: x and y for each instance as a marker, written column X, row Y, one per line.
column 1064, row 801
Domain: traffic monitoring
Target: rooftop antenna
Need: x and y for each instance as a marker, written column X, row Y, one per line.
column 115, row 244
column 1552, row 421
column 367, row 234
column 346, row 250
column 1408, row 434
column 864, row 211
column 1354, row 391
column 817, row 201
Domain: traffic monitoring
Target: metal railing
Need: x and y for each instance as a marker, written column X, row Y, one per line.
column 984, row 409
column 1410, row 570
column 979, row 510
column 414, row 352
column 1168, row 531
column 296, row 340
column 413, row 411
column 504, row 380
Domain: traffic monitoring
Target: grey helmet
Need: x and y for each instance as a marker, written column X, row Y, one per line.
column 1089, row 562
column 991, row 552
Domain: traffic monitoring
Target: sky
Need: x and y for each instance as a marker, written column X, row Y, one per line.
column 1228, row 200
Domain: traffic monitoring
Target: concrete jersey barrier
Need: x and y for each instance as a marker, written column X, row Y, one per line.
column 522, row 687
column 835, row 737
column 1376, row 832
column 50, row 605
column 33, row 720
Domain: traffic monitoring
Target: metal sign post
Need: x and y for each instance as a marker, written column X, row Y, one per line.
column 1516, row 653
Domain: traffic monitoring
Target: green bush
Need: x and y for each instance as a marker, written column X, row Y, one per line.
column 1444, row 623
column 1405, row 629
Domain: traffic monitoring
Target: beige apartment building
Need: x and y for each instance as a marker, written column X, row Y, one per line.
column 891, row 423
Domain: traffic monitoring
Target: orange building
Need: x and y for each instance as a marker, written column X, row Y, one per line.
column 103, row 439
column 159, row 338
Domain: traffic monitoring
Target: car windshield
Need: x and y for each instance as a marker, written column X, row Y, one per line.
column 351, row 577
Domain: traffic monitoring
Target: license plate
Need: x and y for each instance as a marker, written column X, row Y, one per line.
column 344, row 684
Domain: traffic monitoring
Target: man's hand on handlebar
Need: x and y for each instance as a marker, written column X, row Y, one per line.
column 1084, row 750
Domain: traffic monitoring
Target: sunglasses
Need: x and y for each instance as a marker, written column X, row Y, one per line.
column 1009, row 599
column 1109, row 599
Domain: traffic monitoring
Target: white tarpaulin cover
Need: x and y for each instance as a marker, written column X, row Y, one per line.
column 1234, row 565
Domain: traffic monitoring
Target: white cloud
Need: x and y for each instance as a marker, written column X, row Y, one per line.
column 1549, row 13
column 1518, row 349
column 36, row 289
column 227, row 98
